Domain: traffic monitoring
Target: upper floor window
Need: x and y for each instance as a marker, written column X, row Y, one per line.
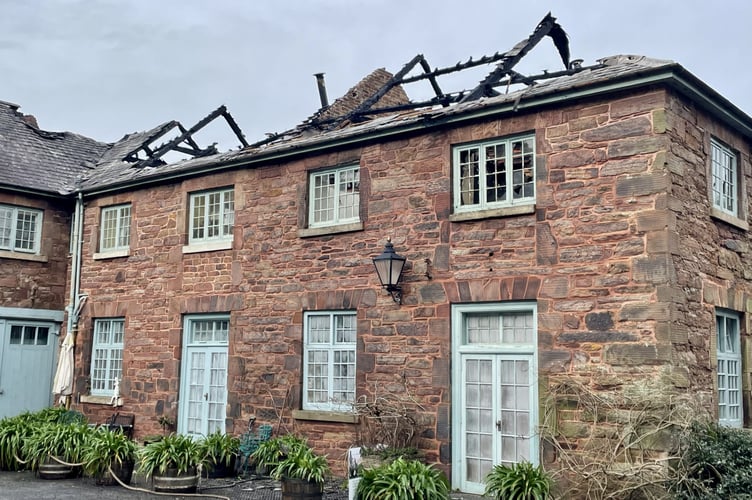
column 334, row 197
column 494, row 174
column 20, row 229
column 329, row 360
column 115, row 233
column 725, row 178
column 729, row 354
column 106, row 356
column 212, row 216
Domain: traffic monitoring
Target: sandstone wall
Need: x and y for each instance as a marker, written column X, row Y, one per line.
column 595, row 255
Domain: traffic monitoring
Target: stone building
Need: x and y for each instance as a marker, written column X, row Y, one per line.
column 591, row 224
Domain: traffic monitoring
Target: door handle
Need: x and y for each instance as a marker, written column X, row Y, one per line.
column 498, row 425
column 2, row 392
column 206, row 396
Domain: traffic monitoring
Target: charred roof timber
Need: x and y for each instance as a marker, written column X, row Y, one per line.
column 183, row 143
column 502, row 74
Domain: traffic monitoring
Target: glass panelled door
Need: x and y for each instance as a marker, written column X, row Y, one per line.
column 496, row 428
column 204, row 379
column 495, row 410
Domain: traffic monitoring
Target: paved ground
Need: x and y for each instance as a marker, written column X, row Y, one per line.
column 26, row 485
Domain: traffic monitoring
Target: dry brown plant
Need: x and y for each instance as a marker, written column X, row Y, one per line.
column 615, row 444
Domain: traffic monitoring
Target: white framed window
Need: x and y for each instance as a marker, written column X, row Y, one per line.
column 329, row 360
column 212, row 216
column 494, row 174
column 725, row 180
column 106, row 356
column 20, row 229
column 115, row 228
column 729, row 354
column 334, row 197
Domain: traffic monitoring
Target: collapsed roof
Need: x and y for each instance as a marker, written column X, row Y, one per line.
column 378, row 106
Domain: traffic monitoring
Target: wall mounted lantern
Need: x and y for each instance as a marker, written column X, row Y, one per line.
column 389, row 267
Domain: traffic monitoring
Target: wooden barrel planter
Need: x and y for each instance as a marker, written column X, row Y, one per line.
column 172, row 482
column 123, row 471
column 53, row 469
column 300, row 489
column 217, row 470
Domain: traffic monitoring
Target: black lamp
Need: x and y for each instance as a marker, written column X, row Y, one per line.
column 389, row 267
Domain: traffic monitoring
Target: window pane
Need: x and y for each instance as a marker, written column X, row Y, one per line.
column 107, row 355
column 6, row 227
column 335, row 196
column 330, row 359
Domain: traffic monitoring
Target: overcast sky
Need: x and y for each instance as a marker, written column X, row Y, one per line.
column 104, row 68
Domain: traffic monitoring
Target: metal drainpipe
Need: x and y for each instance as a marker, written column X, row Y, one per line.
column 75, row 264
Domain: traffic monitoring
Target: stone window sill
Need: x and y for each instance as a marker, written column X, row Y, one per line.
column 321, row 231
column 325, row 416
column 729, row 219
column 100, row 400
column 209, row 246
column 112, row 254
column 5, row 254
column 493, row 212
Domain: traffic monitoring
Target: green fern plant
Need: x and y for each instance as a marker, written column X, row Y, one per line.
column 521, row 481
column 403, row 480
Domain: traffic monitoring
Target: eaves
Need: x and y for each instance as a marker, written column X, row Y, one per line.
column 672, row 76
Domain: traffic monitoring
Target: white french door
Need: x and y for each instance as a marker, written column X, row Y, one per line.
column 495, row 409
column 203, row 392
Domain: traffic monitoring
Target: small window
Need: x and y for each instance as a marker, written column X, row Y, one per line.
column 20, row 229
column 725, row 178
column 107, row 356
column 494, row 174
column 329, row 361
column 212, row 216
column 729, row 368
column 208, row 331
column 115, row 231
column 334, row 197
column 29, row 335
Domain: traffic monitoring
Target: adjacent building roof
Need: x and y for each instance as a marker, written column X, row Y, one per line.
column 43, row 162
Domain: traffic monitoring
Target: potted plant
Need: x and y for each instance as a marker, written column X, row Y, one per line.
column 520, row 481
column 13, row 433
column 172, row 463
column 220, row 453
column 54, row 449
column 402, row 478
column 291, row 461
column 110, row 454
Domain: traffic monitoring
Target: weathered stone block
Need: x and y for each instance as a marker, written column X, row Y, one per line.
column 599, row 321
column 642, row 185
column 630, row 127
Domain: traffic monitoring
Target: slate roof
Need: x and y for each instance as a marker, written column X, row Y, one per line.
column 40, row 161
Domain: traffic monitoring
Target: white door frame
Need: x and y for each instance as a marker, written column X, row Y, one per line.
column 494, row 353
column 212, row 348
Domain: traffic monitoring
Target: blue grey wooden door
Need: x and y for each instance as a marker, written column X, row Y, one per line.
column 27, row 362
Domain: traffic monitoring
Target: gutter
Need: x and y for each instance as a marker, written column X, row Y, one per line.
column 673, row 76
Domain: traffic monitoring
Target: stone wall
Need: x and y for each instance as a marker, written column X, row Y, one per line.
column 38, row 281
column 596, row 255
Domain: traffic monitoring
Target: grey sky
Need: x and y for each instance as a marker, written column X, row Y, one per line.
column 103, row 68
